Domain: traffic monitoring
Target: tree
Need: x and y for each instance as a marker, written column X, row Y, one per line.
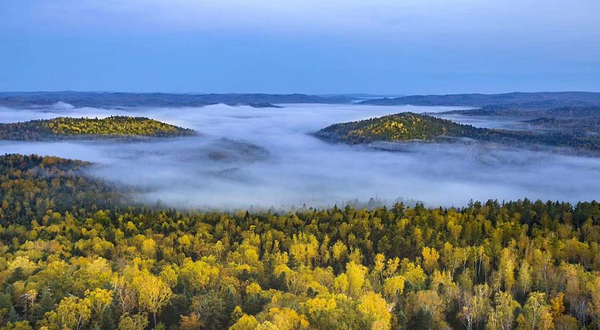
column 133, row 322
column 196, row 275
column 287, row 319
column 431, row 303
column 21, row 325
column 216, row 307
column 153, row 293
column 393, row 288
column 524, row 280
column 566, row 322
column 305, row 248
column 99, row 301
column 191, row 322
column 71, row 313
column 414, row 275
column 356, row 277
column 421, row 319
column 502, row 316
column 246, row 322
column 125, row 295
column 338, row 251
column 507, row 269
column 557, row 307
column 320, row 311
column 594, row 308
column 430, row 258
column 536, row 313
column 375, row 309
column 474, row 307
column 149, row 248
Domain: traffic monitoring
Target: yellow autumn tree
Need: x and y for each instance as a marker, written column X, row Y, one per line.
column 72, row 313
column 430, row 258
column 355, row 273
column 246, row 322
column 153, row 293
column 374, row 308
column 393, row 288
column 536, row 313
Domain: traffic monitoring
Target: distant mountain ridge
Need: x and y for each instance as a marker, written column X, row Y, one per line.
column 499, row 101
column 581, row 112
column 110, row 99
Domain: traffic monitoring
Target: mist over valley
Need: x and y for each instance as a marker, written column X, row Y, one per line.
column 247, row 157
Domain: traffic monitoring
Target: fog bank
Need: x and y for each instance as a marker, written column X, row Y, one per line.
column 247, row 157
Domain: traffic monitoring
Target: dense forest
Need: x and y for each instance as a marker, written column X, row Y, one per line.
column 576, row 135
column 76, row 253
column 66, row 127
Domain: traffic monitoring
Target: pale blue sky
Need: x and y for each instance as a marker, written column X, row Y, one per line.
column 310, row 46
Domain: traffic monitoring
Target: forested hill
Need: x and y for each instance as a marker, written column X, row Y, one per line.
column 92, row 99
column 544, row 100
column 399, row 127
column 409, row 126
column 74, row 256
column 110, row 127
column 32, row 185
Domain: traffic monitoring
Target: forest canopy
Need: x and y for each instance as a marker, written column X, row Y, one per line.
column 76, row 253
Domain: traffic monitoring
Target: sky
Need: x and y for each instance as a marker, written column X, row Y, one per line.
column 310, row 46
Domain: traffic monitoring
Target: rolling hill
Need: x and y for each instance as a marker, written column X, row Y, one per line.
column 110, row 127
column 411, row 127
column 404, row 126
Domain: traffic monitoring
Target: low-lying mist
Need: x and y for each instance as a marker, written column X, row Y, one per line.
column 265, row 157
